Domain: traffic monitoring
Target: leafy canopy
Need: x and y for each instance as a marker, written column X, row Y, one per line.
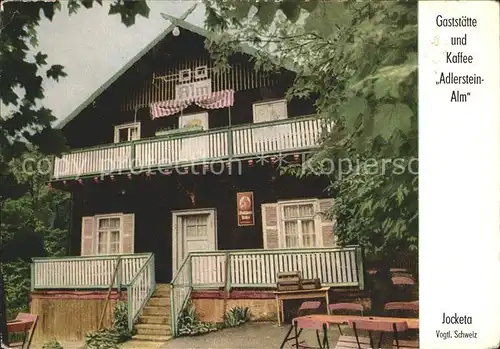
column 359, row 62
column 21, row 75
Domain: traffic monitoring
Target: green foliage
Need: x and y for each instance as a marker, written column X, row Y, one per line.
column 359, row 62
column 28, row 123
column 120, row 321
column 102, row 339
column 190, row 324
column 34, row 223
column 110, row 338
column 236, row 316
column 52, row 344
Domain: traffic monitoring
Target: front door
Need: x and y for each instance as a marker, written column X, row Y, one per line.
column 194, row 231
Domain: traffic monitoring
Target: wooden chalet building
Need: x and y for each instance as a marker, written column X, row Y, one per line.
column 174, row 176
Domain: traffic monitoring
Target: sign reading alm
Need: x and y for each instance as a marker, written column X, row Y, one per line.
column 193, row 89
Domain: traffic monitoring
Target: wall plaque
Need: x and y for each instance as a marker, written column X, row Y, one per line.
column 245, row 209
column 193, row 89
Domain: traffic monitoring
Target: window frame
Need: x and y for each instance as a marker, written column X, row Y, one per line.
column 97, row 218
column 128, row 126
column 268, row 102
column 316, row 219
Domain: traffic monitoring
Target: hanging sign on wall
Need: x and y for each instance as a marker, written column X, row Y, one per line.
column 189, row 89
column 245, row 209
column 193, row 89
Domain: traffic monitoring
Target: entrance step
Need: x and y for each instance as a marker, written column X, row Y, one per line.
column 154, row 320
column 153, row 329
column 154, row 323
column 158, row 311
column 159, row 302
column 149, row 338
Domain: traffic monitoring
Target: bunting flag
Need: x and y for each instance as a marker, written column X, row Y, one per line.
column 215, row 100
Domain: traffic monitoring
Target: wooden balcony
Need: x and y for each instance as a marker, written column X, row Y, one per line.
column 224, row 144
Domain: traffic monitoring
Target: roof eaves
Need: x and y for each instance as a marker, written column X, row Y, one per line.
column 110, row 81
column 245, row 48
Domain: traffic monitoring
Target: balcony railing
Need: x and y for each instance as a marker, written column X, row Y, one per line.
column 238, row 142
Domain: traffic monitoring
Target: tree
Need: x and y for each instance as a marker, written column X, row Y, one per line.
column 360, row 60
column 28, row 122
column 33, row 224
column 28, row 125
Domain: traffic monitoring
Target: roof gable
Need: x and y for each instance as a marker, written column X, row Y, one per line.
column 175, row 22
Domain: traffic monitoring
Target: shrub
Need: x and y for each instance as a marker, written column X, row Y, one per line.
column 109, row 338
column 190, row 325
column 52, row 344
column 236, row 316
column 120, row 321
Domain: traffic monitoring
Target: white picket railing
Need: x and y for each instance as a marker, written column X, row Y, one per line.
column 140, row 289
column 84, row 272
column 94, row 161
column 341, row 267
column 289, row 135
column 231, row 143
column 181, row 149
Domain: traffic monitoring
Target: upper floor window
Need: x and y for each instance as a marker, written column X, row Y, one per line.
column 127, row 132
column 269, row 111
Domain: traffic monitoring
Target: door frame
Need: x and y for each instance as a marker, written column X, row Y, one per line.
column 175, row 241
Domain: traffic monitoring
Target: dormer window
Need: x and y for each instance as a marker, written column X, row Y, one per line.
column 127, row 132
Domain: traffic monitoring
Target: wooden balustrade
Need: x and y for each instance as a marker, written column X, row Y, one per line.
column 341, row 267
column 84, row 272
column 297, row 134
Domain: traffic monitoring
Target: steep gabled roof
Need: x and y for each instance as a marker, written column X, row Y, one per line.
column 120, row 72
column 175, row 22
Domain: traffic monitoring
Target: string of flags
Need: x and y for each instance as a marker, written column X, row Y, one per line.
column 184, row 170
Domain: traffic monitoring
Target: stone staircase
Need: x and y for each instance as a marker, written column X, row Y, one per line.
column 154, row 323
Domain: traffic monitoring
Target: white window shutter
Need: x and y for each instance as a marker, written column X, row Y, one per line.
column 327, row 225
column 270, row 232
column 127, row 236
column 88, row 242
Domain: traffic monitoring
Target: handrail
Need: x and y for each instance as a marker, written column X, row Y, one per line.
column 151, row 256
column 143, row 280
column 176, row 275
column 178, row 305
column 73, row 258
column 115, row 273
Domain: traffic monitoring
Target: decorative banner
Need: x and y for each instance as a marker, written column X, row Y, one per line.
column 192, row 90
column 245, row 208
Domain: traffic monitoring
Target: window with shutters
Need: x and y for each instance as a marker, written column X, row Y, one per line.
column 109, row 232
column 299, row 224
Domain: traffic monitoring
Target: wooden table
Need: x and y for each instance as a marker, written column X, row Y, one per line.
column 412, row 323
column 298, row 294
column 343, row 319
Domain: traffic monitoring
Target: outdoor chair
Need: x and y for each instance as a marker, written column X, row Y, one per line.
column 302, row 323
column 402, row 280
column 403, row 287
column 350, row 342
column 396, row 328
column 346, row 307
column 308, row 307
column 402, row 308
column 31, row 321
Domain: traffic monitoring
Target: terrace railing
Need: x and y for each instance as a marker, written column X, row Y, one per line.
column 135, row 273
column 222, row 144
column 341, row 267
